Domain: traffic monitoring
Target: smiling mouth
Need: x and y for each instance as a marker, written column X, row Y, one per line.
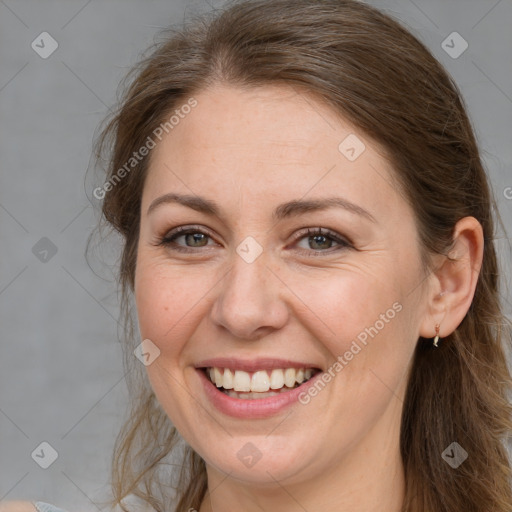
column 259, row 384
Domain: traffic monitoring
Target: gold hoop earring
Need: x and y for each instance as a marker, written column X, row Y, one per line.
column 436, row 339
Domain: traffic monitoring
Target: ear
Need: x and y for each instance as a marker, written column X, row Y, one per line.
column 453, row 280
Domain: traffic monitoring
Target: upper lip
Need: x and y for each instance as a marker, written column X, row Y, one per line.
column 253, row 365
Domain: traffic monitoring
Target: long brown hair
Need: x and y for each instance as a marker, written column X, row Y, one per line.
column 366, row 66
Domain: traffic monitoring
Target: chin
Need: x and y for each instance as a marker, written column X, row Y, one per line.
column 261, row 460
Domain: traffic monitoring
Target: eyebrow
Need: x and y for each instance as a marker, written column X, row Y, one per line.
column 284, row 210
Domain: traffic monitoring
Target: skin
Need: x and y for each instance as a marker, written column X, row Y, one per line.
column 250, row 150
column 17, row 506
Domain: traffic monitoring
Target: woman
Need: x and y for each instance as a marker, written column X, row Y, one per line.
column 308, row 240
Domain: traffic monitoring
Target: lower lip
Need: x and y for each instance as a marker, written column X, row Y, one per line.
column 253, row 408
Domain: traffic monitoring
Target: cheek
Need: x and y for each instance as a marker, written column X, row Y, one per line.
column 169, row 306
column 169, row 302
column 360, row 321
column 346, row 304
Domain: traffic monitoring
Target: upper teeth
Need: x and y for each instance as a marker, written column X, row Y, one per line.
column 259, row 381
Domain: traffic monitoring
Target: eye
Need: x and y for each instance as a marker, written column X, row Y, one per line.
column 320, row 241
column 193, row 237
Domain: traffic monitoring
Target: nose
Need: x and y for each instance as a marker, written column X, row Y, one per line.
column 251, row 301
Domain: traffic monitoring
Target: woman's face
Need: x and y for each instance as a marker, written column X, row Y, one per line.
column 249, row 294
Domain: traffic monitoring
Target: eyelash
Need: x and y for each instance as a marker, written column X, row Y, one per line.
column 168, row 240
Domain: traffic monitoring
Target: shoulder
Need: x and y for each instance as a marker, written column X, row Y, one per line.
column 28, row 506
column 17, row 506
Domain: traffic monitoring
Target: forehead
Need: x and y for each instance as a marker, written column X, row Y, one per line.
column 269, row 142
column 229, row 119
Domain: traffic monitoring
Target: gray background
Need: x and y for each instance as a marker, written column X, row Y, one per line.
column 61, row 376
